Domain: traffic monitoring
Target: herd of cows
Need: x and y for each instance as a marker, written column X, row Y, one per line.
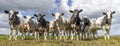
column 61, row 26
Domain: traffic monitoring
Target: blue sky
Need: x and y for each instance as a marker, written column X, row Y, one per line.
column 92, row 9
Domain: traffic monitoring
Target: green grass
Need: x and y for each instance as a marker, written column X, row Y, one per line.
column 114, row 41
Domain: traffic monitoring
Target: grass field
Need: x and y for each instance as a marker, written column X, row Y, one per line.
column 114, row 41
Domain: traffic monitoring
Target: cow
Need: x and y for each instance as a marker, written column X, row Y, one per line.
column 32, row 26
column 104, row 23
column 85, row 28
column 93, row 28
column 53, row 28
column 75, row 22
column 61, row 23
column 15, row 22
column 42, row 24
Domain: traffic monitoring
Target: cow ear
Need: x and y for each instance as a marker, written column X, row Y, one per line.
column 43, row 15
column 70, row 11
column 35, row 15
column 32, row 17
column 53, row 14
column 113, row 12
column 62, row 14
column 104, row 13
column 16, row 12
column 81, row 10
column 6, row 11
column 24, row 16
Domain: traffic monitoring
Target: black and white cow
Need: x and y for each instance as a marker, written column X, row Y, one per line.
column 15, row 22
column 42, row 24
column 32, row 26
column 104, row 23
column 75, row 22
column 53, row 29
column 61, row 23
column 93, row 28
column 85, row 27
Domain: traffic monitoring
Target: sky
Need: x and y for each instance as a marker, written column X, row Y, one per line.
column 91, row 8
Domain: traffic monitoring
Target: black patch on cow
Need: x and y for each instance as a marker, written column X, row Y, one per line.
column 106, row 21
column 42, row 22
column 75, row 19
column 86, row 22
column 15, row 20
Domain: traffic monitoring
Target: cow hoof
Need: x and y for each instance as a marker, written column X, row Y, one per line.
column 9, row 39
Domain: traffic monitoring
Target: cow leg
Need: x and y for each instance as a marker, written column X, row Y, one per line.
column 35, row 33
column 105, row 33
column 64, row 34
column 71, row 34
column 78, row 35
column 28, row 33
column 11, row 33
column 95, row 34
column 88, row 35
column 84, row 35
column 45, row 35
column 56, row 35
column 108, row 37
column 23, row 36
column 81, row 35
column 38, row 35
column 16, row 33
column 60, row 35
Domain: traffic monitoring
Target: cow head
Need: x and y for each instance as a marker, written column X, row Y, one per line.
column 28, row 18
column 75, row 19
column 58, row 16
column 39, row 17
column 109, row 14
column 76, row 12
column 12, row 14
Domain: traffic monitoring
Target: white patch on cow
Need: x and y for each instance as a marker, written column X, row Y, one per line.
column 11, row 13
column 51, row 24
column 99, row 20
column 65, row 20
column 109, row 14
column 57, row 15
column 85, row 17
column 28, row 18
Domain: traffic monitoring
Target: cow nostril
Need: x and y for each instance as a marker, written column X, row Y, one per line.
column 109, row 18
column 27, row 22
column 57, row 20
column 10, row 19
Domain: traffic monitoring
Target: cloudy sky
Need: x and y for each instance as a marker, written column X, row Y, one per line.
column 91, row 8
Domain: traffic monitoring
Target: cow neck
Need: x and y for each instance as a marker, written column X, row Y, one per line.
column 42, row 23
column 60, row 21
column 106, row 21
column 86, row 21
column 75, row 20
column 15, row 21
